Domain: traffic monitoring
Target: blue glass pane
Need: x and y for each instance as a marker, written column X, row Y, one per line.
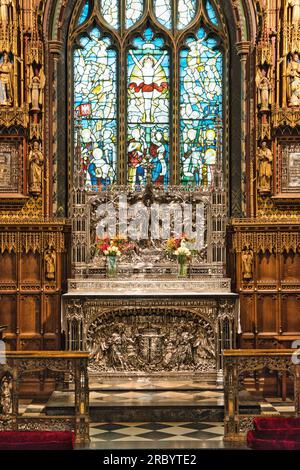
column 134, row 11
column 186, row 12
column 84, row 13
column 95, row 103
column 163, row 12
column 201, row 109
column 148, row 66
column 110, row 12
column 211, row 13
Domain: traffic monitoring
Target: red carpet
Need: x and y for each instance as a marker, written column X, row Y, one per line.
column 275, row 434
column 36, row 440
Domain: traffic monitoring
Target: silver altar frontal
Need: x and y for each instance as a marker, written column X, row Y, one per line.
column 150, row 328
column 146, row 321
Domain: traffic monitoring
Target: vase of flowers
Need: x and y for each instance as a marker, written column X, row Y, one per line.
column 183, row 256
column 177, row 249
column 112, row 254
column 113, row 249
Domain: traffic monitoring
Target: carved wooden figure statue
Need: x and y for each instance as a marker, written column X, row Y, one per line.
column 4, row 12
column 6, row 81
column 247, row 263
column 36, row 89
column 50, row 262
column 264, row 89
column 265, row 159
column 36, row 164
column 5, row 396
column 293, row 78
column 295, row 5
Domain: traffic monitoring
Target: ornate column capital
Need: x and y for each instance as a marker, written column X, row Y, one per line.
column 243, row 49
column 55, row 47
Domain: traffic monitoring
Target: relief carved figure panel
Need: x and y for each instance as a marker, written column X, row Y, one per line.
column 151, row 342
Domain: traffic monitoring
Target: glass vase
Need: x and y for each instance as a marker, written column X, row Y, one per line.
column 182, row 267
column 111, row 265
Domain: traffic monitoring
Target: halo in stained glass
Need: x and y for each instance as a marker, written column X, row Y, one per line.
column 186, row 11
column 84, row 13
column 211, row 12
column 163, row 12
column 95, row 104
column 201, row 103
column 148, row 71
column 110, row 12
column 134, row 11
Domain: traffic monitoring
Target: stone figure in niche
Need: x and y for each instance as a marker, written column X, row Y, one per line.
column 4, row 12
column 6, row 80
column 293, row 78
column 50, row 262
column 36, row 88
column 264, row 89
column 35, row 167
column 5, row 396
column 265, row 159
column 295, row 5
column 247, row 263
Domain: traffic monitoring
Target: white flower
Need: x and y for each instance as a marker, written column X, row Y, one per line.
column 182, row 251
column 112, row 251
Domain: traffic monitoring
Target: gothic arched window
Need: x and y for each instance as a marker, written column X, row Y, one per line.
column 148, row 95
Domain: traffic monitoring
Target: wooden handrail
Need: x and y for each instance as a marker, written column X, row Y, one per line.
column 258, row 352
column 47, row 354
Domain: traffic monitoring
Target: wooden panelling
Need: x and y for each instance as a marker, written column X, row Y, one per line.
column 51, row 317
column 270, row 298
column 290, row 313
column 8, row 267
column 30, row 314
column 8, row 312
column 290, row 266
column 29, row 302
column 266, row 267
column 247, row 313
column 30, row 267
column 266, row 314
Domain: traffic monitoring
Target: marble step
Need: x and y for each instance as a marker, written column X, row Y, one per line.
column 150, row 406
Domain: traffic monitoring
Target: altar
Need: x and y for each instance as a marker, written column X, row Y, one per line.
column 149, row 320
column 148, row 328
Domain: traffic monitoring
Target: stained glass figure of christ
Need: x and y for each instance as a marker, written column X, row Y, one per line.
column 148, row 111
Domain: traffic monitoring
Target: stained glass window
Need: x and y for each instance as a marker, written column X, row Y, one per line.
column 211, row 13
column 201, row 65
column 134, row 11
column 148, row 110
column 186, row 12
column 110, row 12
column 84, row 13
column 95, row 103
column 169, row 114
column 163, row 12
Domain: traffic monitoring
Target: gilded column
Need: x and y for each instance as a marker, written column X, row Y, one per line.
column 243, row 49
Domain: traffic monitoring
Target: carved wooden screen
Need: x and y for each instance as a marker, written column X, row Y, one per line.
column 147, row 91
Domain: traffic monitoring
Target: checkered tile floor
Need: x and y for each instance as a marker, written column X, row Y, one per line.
column 277, row 406
column 159, row 434
column 162, row 432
